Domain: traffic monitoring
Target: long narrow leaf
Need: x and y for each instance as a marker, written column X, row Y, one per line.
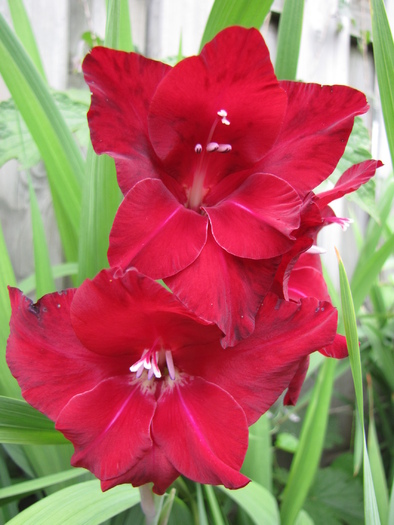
column 25, row 34
column 257, row 502
column 101, row 195
column 289, row 39
column 258, row 461
column 349, row 318
column 307, row 457
column 62, row 158
column 80, row 504
column 383, row 51
column 21, row 424
column 44, row 280
column 224, row 13
column 26, row 488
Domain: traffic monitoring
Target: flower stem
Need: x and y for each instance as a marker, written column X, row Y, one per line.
column 148, row 503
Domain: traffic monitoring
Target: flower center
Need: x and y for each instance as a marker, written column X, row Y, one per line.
column 197, row 190
column 155, row 361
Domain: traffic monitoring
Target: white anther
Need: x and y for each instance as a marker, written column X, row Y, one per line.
column 212, row 146
column 170, row 364
column 198, row 148
column 224, row 148
column 316, row 250
column 223, row 114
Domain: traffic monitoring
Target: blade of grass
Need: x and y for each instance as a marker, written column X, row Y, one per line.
column 44, row 280
column 26, row 488
column 258, row 461
column 28, row 285
column 307, row 457
column 202, row 514
column 214, row 506
column 225, row 13
column 383, row 51
column 371, row 513
column 289, row 39
column 81, row 504
column 22, row 424
column 8, row 385
column 57, row 147
column 25, row 34
column 257, row 502
column 101, row 195
column 377, row 468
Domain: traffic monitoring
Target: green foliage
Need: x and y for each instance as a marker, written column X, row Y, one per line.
column 289, row 39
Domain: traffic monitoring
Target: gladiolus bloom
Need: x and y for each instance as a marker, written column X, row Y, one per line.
column 214, row 157
column 143, row 388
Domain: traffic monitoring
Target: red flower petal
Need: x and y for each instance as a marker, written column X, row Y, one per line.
column 43, row 353
column 350, row 181
column 234, row 73
column 118, row 313
column 224, row 289
column 181, row 417
column 109, row 426
column 337, row 349
column 256, row 220
column 314, row 134
column 153, row 468
column 296, row 383
column 258, row 369
column 154, row 232
column 122, row 85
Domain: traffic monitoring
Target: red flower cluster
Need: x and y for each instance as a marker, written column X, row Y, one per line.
column 217, row 161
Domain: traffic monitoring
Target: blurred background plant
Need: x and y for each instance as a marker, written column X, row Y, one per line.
column 309, row 464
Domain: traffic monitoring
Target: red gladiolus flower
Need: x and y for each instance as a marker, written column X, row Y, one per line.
column 214, row 157
column 142, row 387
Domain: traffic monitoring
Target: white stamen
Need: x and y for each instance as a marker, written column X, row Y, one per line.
column 224, row 148
column 316, row 250
column 223, row 114
column 155, row 366
column 212, row 146
column 170, row 364
column 198, row 148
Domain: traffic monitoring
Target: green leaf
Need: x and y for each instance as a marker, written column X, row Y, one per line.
column 349, row 318
column 377, row 467
column 22, row 424
column 257, row 502
column 225, row 13
column 25, row 34
column 16, row 140
column 213, row 505
column 118, row 29
column 26, row 488
column 80, row 504
column 28, row 285
column 383, row 50
column 367, row 274
column 61, row 156
column 307, row 457
column 289, row 39
column 335, row 497
column 287, row 442
column 42, row 263
column 258, row 461
column 202, row 514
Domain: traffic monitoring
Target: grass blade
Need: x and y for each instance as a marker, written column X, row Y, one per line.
column 289, row 39
column 22, row 424
column 307, row 457
column 57, row 147
column 383, row 51
column 80, row 504
column 257, row 502
column 44, row 280
column 371, row 513
column 224, row 13
column 25, row 34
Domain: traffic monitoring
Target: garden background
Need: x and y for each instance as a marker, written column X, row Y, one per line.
column 334, row 39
